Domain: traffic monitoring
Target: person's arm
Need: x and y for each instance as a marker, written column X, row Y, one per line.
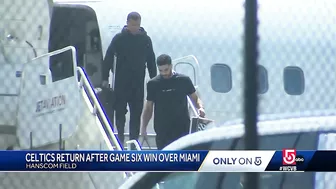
column 148, row 108
column 109, row 59
column 151, row 65
column 196, row 100
column 147, row 114
column 191, row 91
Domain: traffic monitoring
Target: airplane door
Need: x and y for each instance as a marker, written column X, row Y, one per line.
column 189, row 66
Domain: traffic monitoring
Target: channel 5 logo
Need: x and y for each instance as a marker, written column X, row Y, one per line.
column 289, row 157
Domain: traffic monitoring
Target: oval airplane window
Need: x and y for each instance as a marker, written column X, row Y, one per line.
column 262, row 79
column 294, row 82
column 221, row 78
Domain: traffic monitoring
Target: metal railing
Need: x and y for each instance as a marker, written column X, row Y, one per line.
column 97, row 108
column 91, row 94
column 191, row 104
column 84, row 82
column 135, row 143
column 73, row 56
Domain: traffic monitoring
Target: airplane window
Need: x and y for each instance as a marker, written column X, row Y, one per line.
column 221, row 78
column 294, row 83
column 262, row 79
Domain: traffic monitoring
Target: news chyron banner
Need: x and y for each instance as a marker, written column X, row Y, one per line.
column 174, row 161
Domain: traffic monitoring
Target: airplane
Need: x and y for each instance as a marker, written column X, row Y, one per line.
column 205, row 39
column 208, row 48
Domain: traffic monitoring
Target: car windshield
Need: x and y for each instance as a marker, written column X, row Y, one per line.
column 268, row 180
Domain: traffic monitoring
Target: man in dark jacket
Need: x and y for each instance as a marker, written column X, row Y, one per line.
column 133, row 48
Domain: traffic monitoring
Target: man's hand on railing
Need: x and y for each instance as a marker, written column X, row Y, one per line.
column 201, row 112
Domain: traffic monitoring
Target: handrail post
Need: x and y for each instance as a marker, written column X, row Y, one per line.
column 60, row 137
column 31, row 140
column 94, row 111
column 81, row 82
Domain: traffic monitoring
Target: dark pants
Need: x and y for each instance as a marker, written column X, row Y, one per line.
column 133, row 95
column 166, row 136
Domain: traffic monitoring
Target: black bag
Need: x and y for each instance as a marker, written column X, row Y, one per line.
column 199, row 124
column 107, row 100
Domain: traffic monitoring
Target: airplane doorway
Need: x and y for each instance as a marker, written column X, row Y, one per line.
column 75, row 25
column 189, row 66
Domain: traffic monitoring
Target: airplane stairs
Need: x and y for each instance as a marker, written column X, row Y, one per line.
column 75, row 122
column 71, row 125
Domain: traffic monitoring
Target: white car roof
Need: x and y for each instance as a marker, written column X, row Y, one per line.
column 306, row 124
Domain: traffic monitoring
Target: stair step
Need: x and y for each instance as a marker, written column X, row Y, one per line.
column 144, row 145
column 143, row 148
column 127, row 134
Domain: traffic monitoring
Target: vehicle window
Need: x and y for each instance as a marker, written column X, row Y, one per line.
column 326, row 142
column 304, row 141
column 189, row 180
column 179, row 180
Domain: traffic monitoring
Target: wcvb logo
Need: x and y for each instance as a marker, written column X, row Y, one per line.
column 288, row 157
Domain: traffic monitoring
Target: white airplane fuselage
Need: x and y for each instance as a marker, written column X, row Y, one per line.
column 212, row 31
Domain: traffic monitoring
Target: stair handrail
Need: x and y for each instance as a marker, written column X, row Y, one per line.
column 196, row 114
column 138, row 148
column 84, row 81
column 96, row 106
column 136, row 144
column 59, row 51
